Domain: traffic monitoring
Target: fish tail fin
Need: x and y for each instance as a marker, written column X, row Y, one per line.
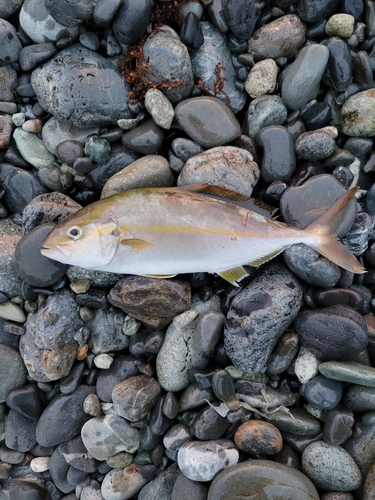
column 328, row 245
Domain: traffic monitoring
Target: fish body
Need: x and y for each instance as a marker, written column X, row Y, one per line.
column 168, row 231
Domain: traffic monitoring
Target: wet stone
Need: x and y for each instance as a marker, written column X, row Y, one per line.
column 259, row 315
column 323, row 393
column 279, row 38
column 302, row 79
column 26, row 400
column 128, row 481
column 123, row 367
column 153, row 301
column 213, row 125
column 258, row 477
column 264, row 111
column 161, row 486
column 316, row 463
column 314, row 145
column 6, row 128
column 338, row 74
column 203, row 460
column 360, row 398
column 12, row 371
column 145, row 139
column 338, row 425
column 360, row 446
column 256, row 436
column 349, row 371
column 97, row 149
column 135, row 397
column 339, row 296
column 32, row 55
column 176, row 436
column 357, row 112
column 208, row 424
column 19, row 432
column 240, row 16
column 159, row 108
column 227, row 167
column 191, row 32
column 223, row 385
column 262, row 78
column 279, row 159
column 297, row 421
column 313, row 11
column 106, row 332
column 315, row 114
column 184, row 489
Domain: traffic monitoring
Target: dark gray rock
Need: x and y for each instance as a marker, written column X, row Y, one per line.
column 135, row 397
column 12, row 371
column 313, row 11
column 9, row 80
column 131, row 20
column 20, row 432
column 338, row 425
column 241, row 17
column 211, row 56
column 208, row 424
column 356, row 240
column 63, row 418
column 59, row 467
column 72, row 91
column 10, row 45
column 332, row 333
column 169, row 59
column 264, row 111
column 323, row 392
column 106, row 334
column 314, row 145
column 25, row 400
column 9, row 7
column 338, row 74
column 161, row 486
column 279, row 159
column 361, row 446
column 259, row 315
column 71, row 13
column 105, row 11
column 146, row 138
column 360, row 398
column 186, row 489
column 32, row 55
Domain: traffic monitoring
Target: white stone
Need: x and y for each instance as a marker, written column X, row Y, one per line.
column 103, row 361
column 40, row 464
column 13, row 312
column 262, row 78
column 160, row 108
column 340, row 25
column 306, row 366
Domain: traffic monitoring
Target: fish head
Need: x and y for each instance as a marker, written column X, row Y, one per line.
column 85, row 239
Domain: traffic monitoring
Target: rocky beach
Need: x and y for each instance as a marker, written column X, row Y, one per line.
column 128, row 387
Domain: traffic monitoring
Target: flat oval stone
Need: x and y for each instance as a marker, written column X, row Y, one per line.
column 302, row 78
column 317, row 460
column 148, row 171
column 145, row 138
column 279, row 160
column 32, row 148
column 338, row 72
column 264, row 111
column 257, row 436
column 135, row 397
column 226, row 166
column 336, row 332
column 123, row 483
column 340, row 25
column 208, row 121
column 358, row 114
column 203, row 460
column 323, row 392
column 131, row 21
column 297, row 421
column 279, row 38
column 349, row 371
column 339, row 296
column 314, row 145
column 262, row 479
column 338, row 425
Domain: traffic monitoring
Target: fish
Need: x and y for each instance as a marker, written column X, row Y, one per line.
column 162, row 232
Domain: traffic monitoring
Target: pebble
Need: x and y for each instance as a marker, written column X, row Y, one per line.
column 160, row 108
column 161, row 486
column 208, row 424
column 283, row 354
column 12, row 312
column 212, row 63
column 341, row 25
column 258, row 437
column 343, row 296
column 185, row 488
column 226, row 166
column 191, row 33
column 317, row 460
column 97, row 149
column 26, row 401
column 32, row 55
column 262, row 78
column 19, row 432
column 349, row 371
column 10, row 282
column 338, row 74
column 10, row 44
column 107, row 332
column 302, row 78
column 20, row 187
column 259, row 477
column 122, row 484
column 259, row 315
column 279, row 160
column 6, row 130
column 104, row 437
column 32, row 148
column 12, row 371
column 153, row 301
column 279, row 38
column 338, row 425
column 70, row 14
column 148, row 171
column 103, row 361
column 40, row 26
column 360, row 398
column 336, row 332
column 323, row 392
column 213, row 124
column 296, row 421
column 188, row 343
column 39, row 464
column 61, row 73
column 361, row 448
column 135, row 397
column 358, row 118
column 240, row 16
column 122, row 368
column 314, row 145
column 264, row 111
column 203, row 460
column 313, row 11
column 145, row 138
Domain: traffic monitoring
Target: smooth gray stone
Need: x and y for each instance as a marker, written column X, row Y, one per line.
column 259, row 315
column 9, row 7
column 186, row 489
column 322, row 392
column 20, row 187
column 279, row 159
column 162, row 486
column 67, row 89
column 349, row 371
column 264, row 111
column 12, row 371
column 122, row 484
column 10, row 45
column 106, row 334
column 19, row 432
column 361, row 446
column 241, row 16
column 313, row 11
column 146, row 138
column 297, row 421
column 58, row 468
column 169, row 59
column 317, row 460
column 105, row 11
column 70, row 13
column 212, row 54
column 193, row 397
column 207, row 121
column 262, row 479
column 176, row 436
column 216, row 11
column 185, row 148
column 131, row 20
column 360, row 398
column 302, row 79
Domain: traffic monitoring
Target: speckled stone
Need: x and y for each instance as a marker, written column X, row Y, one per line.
column 314, row 145
column 122, row 484
column 358, row 114
column 10, row 234
column 349, row 371
column 226, row 166
column 257, row 436
column 341, row 25
column 160, row 108
column 262, row 78
column 317, row 460
column 360, row 398
column 135, row 397
column 260, row 479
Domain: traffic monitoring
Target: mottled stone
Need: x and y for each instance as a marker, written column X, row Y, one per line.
column 10, row 234
column 106, row 332
column 159, row 107
column 340, row 25
column 227, row 167
column 257, row 436
column 146, row 138
column 259, row 315
column 314, row 145
column 6, row 129
column 262, row 78
column 122, row 484
column 135, row 397
column 153, row 301
column 263, row 112
column 358, row 114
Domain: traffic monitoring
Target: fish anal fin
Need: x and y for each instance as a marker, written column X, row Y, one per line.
column 265, row 258
column 209, row 189
column 234, row 275
column 136, row 244
column 158, row 275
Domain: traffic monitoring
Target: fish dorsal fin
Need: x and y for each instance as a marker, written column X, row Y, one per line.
column 265, row 258
column 217, row 191
column 158, row 275
column 136, row 244
column 234, row 275
column 236, row 198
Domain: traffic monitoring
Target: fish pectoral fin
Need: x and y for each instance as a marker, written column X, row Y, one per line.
column 234, row 275
column 265, row 258
column 158, row 275
column 136, row 244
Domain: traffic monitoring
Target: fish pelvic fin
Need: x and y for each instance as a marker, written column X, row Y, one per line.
column 234, row 275
column 324, row 230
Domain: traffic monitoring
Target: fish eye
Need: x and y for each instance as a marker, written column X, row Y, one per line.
column 74, row 233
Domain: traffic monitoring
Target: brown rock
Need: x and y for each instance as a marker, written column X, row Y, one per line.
column 6, row 127
column 280, row 38
column 256, row 436
column 153, row 301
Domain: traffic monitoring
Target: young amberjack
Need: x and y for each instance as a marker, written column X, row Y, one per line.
column 161, row 232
